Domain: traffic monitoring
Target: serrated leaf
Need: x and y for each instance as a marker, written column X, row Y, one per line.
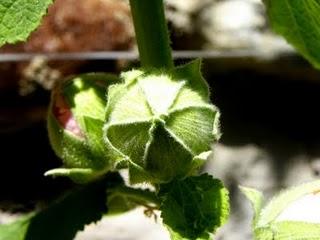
column 256, row 200
column 177, row 236
column 299, row 22
column 194, row 207
column 280, row 202
column 18, row 18
column 65, row 218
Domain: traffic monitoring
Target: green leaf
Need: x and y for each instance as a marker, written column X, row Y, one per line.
column 280, row 202
column 295, row 231
column 66, row 217
column 299, row 22
column 194, row 207
column 263, row 233
column 177, row 236
column 256, row 199
column 18, row 18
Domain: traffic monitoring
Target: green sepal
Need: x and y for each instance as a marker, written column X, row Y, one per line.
column 193, row 127
column 127, row 104
column 135, row 136
column 138, row 174
column 191, row 72
column 75, row 124
column 194, row 207
column 78, row 175
column 166, row 158
column 155, row 113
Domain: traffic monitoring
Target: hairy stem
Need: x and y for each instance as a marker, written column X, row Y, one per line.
column 140, row 195
column 151, row 33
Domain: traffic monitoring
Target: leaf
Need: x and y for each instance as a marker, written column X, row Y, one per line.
column 194, row 207
column 263, row 233
column 256, row 199
column 299, row 22
column 18, row 18
column 177, row 236
column 295, row 231
column 280, row 202
column 65, row 218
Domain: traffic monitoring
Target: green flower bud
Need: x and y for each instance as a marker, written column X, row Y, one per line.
column 75, row 121
column 162, row 124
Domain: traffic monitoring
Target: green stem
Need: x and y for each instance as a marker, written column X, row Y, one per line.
column 140, row 195
column 151, row 33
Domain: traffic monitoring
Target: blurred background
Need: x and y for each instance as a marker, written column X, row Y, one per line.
column 267, row 94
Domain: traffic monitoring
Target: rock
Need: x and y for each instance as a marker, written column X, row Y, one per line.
column 133, row 225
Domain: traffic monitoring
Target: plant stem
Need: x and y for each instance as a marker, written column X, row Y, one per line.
column 140, row 195
column 151, row 33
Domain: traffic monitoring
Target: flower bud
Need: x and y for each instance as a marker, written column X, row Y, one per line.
column 162, row 124
column 75, row 121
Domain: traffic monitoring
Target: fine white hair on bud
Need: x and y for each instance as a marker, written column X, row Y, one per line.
column 161, row 123
column 75, row 121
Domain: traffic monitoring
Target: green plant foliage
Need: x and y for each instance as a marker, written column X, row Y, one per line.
column 274, row 208
column 193, row 208
column 256, row 199
column 267, row 225
column 75, row 122
column 299, row 22
column 65, row 217
column 18, row 18
column 296, row 231
column 161, row 123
